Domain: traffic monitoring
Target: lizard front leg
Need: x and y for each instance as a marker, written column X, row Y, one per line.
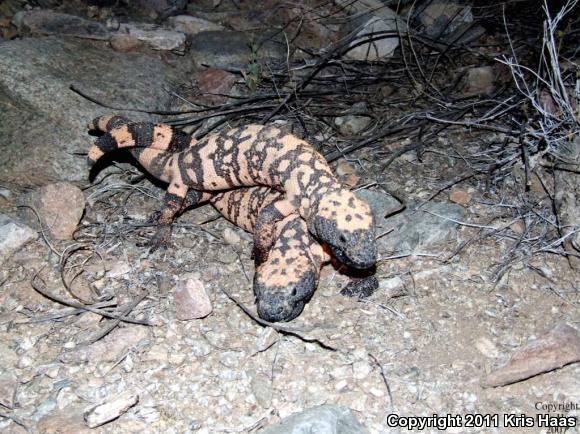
column 362, row 283
column 265, row 228
column 360, row 287
column 173, row 204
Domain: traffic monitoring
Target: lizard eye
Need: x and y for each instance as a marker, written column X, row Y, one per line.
column 342, row 238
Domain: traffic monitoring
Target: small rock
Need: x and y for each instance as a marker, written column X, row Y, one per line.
column 386, row 90
column 460, row 196
column 231, row 237
column 125, row 42
column 47, row 22
column 215, row 84
column 60, row 207
column 13, row 236
column 230, row 359
column 378, row 49
column 341, row 386
column 351, row 180
column 445, row 18
column 53, row 371
column 8, row 357
column 111, row 409
column 156, row 37
column 347, row 174
column 128, row 364
column 266, row 338
column 191, row 300
column 148, row 414
column 350, row 124
column 7, row 30
column 518, row 227
column 8, row 387
column 262, row 389
column 88, row 321
column 486, row 347
column 117, row 268
column 177, row 359
column 192, row 25
column 5, row 193
column 322, row 419
column 312, row 32
column 199, row 347
column 479, row 81
column 361, row 369
column 391, row 284
column 344, row 169
column 112, row 23
column 65, row 397
column 341, row 372
column 158, row 353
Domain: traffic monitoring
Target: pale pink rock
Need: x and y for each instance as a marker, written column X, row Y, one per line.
column 191, row 300
column 557, row 348
column 60, row 207
column 215, row 84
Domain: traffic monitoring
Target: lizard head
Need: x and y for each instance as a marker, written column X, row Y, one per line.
column 283, row 303
column 347, row 225
column 286, row 281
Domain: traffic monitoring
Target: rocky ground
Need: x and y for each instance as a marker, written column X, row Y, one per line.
column 92, row 335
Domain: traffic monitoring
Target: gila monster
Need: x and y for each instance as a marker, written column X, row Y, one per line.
column 247, row 156
column 288, row 278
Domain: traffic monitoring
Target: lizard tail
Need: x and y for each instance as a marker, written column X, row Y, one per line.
column 121, row 133
column 106, row 123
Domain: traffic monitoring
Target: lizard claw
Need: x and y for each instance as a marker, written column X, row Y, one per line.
column 259, row 256
column 160, row 240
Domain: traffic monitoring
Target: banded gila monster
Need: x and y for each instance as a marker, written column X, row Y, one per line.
column 284, row 283
column 247, row 156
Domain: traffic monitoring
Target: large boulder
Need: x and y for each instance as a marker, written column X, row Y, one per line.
column 43, row 123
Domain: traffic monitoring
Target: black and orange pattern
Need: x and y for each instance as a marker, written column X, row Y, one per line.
column 241, row 157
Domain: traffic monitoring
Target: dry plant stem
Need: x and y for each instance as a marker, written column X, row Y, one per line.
column 132, row 109
column 42, row 230
column 337, row 51
column 293, row 331
column 449, row 185
column 65, row 312
column 81, row 306
column 63, row 261
column 567, row 200
column 551, row 125
column 113, row 324
column 384, row 377
column 16, row 420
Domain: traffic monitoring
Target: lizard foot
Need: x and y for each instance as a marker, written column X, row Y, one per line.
column 160, row 240
column 361, row 287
